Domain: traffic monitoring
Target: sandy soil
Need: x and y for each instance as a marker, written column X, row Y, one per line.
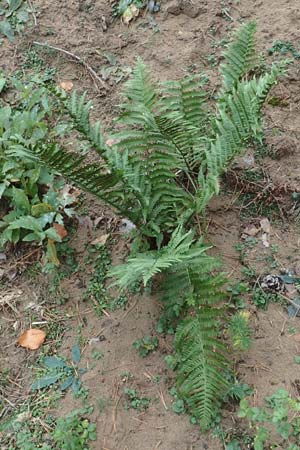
column 174, row 41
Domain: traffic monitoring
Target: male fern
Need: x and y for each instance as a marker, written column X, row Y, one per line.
column 160, row 169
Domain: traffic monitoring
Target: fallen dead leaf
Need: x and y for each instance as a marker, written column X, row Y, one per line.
column 265, row 240
column 296, row 337
column 250, row 230
column 130, row 13
column 70, row 191
column 66, row 85
column 101, row 240
column 265, row 225
column 60, row 230
column 111, row 142
column 52, row 252
column 291, row 291
column 32, row 338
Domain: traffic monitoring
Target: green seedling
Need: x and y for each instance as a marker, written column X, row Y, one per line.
column 136, row 402
column 57, row 370
column 146, row 345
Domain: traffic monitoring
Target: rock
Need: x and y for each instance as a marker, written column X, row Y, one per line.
column 245, row 161
column 282, row 146
column 176, row 7
column 297, row 268
column 190, row 9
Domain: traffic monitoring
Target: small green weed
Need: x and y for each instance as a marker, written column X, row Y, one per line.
column 96, row 290
column 240, row 330
column 120, row 302
column 261, row 299
column 243, row 247
column 15, row 14
column 74, row 432
column 35, row 202
column 236, row 292
column 146, row 345
column 57, row 369
column 126, row 376
column 103, row 403
column 280, row 415
column 136, row 402
column 284, row 47
column 178, row 406
column 249, row 273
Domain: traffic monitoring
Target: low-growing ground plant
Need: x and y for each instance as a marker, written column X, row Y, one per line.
column 146, row 345
column 34, row 203
column 159, row 170
column 68, row 374
column 135, row 401
column 14, row 14
column 276, row 424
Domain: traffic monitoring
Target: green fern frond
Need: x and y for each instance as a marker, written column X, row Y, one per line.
column 79, row 110
column 201, row 364
column 92, row 178
column 186, row 98
column 139, row 89
column 180, row 250
column 240, row 56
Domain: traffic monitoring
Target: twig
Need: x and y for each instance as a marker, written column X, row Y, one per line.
column 162, row 399
column 77, row 58
column 114, row 413
column 130, row 309
column 32, row 11
column 295, row 305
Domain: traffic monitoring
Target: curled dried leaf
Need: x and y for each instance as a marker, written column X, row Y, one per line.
column 101, row 240
column 32, row 338
column 66, row 85
column 60, row 230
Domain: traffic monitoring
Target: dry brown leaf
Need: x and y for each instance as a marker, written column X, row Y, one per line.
column 250, row 230
column 296, row 337
column 71, row 191
column 66, row 85
column 265, row 240
column 101, row 240
column 32, row 338
column 111, row 142
column 265, row 225
column 130, row 13
column 60, row 230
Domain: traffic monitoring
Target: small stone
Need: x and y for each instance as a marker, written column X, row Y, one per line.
column 186, row 7
column 174, row 7
column 2, row 257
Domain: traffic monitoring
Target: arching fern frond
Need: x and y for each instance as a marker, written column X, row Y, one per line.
column 180, row 250
column 92, row 178
column 79, row 110
column 139, row 89
column 201, row 364
column 237, row 123
column 187, row 98
column 240, row 56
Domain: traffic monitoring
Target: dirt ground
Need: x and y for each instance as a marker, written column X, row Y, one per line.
column 172, row 42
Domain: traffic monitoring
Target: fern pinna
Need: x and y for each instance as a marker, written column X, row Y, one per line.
column 160, row 169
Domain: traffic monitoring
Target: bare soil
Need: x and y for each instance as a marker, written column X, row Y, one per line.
column 174, row 41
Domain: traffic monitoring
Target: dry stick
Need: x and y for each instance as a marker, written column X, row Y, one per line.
column 295, row 305
column 77, row 58
column 32, row 11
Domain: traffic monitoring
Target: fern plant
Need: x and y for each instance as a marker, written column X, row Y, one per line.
column 160, row 169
